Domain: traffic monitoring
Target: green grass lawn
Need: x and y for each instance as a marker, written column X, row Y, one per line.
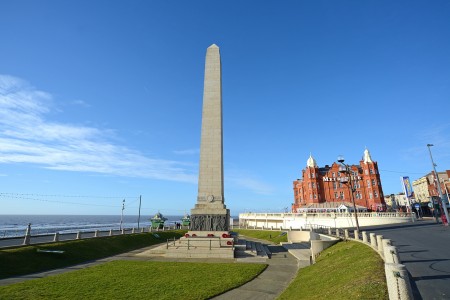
column 138, row 280
column 347, row 270
column 273, row 236
column 26, row 260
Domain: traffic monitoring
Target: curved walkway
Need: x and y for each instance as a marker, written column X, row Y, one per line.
column 282, row 268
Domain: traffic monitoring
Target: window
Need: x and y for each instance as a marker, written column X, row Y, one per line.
column 312, row 175
column 310, row 196
column 313, row 185
column 315, row 196
column 366, row 171
column 373, row 182
column 371, row 171
column 334, row 185
column 375, row 194
column 336, row 195
column 370, row 195
column 368, row 183
column 334, row 174
column 342, row 195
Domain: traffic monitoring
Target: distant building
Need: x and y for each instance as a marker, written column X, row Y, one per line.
column 421, row 189
column 323, row 184
column 425, row 187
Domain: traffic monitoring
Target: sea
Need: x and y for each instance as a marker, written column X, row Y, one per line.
column 16, row 225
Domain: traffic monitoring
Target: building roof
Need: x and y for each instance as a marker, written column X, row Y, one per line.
column 367, row 157
column 311, row 162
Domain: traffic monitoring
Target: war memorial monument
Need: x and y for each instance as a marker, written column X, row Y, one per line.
column 209, row 234
column 210, row 214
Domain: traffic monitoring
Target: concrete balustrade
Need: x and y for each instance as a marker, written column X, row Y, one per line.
column 346, row 236
column 364, row 237
column 56, row 237
column 356, row 234
column 337, row 232
column 329, row 230
column 391, row 255
column 78, row 235
column 399, row 285
column 380, row 243
column 96, row 233
column 385, row 243
column 373, row 241
column 111, row 232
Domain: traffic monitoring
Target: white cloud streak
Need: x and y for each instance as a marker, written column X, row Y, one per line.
column 242, row 179
column 26, row 136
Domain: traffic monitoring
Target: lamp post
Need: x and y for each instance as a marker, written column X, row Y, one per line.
column 344, row 168
column 444, row 206
column 121, row 217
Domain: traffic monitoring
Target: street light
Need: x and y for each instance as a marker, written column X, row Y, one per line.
column 444, row 206
column 345, row 169
column 121, row 217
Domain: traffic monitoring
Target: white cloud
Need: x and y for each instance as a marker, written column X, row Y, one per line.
column 243, row 179
column 187, row 152
column 26, row 136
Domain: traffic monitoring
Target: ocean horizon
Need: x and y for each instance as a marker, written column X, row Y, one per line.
column 15, row 225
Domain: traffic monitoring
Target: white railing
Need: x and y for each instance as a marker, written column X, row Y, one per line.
column 325, row 215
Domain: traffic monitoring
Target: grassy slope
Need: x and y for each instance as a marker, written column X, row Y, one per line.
column 268, row 235
column 347, row 270
column 138, row 280
column 26, row 260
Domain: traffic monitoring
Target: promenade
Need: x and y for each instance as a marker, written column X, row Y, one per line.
column 424, row 248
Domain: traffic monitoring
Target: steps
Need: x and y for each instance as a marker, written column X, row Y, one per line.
column 247, row 248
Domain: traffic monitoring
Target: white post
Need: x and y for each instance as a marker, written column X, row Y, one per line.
column 373, row 241
column 26, row 241
column 364, row 236
column 56, row 238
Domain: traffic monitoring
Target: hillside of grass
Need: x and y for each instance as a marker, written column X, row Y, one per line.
column 347, row 270
column 137, row 280
column 27, row 260
column 273, row 236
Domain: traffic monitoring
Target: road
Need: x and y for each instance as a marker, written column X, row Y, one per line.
column 424, row 248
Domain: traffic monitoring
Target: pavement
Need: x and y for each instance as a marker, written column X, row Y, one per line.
column 424, row 248
column 282, row 269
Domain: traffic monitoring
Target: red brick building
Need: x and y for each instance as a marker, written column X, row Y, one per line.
column 320, row 185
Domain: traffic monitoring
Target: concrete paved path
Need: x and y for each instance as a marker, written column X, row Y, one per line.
column 282, row 268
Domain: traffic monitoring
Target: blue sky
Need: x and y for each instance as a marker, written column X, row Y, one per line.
column 101, row 100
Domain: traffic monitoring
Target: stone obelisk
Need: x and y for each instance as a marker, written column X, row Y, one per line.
column 210, row 213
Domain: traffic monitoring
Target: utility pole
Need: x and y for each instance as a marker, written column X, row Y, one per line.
column 438, row 183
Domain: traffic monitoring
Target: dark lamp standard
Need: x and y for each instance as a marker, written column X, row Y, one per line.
column 345, row 169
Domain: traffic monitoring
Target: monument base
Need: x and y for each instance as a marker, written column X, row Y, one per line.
column 197, row 244
column 207, row 221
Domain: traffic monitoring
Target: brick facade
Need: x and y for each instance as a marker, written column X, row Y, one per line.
column 319, row 185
